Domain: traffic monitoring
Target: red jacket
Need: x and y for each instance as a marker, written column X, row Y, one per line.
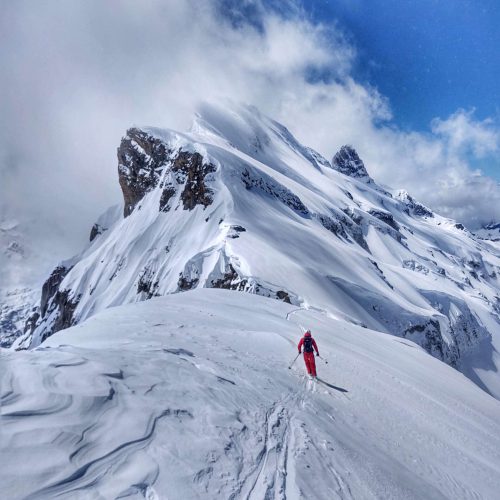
column 301, row 343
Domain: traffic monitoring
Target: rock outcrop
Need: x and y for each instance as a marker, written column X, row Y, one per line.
column 141, row 159
column 144, row 159
column 347, row 162
column 260, row 181
column 189, row 171
column 413, row 207
column 57, row 306
column 95, row 231
column 51, row 286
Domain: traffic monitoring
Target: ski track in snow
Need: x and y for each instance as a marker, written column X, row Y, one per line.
column 191, row 397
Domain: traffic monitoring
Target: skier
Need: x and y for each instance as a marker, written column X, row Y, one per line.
column 309, row 347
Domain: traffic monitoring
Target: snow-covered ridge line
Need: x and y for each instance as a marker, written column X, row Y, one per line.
column 238, row 203
column 190, row 396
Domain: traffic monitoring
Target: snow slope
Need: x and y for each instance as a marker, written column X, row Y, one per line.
column 189, row 396
column 238, row 203
column 489, row 232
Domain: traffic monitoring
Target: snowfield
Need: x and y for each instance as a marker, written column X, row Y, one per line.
column 190, row 396
column 156, row 364
column 239, row 203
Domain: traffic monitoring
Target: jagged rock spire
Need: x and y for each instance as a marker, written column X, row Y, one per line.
column 347, row 161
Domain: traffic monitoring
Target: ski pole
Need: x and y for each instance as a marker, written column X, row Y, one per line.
column 295, row 359
column 323, row 359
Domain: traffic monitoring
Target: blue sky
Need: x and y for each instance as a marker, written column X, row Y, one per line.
column 428, row 57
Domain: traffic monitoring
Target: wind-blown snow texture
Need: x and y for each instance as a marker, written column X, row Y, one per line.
column 189, row 396
column 238, row 203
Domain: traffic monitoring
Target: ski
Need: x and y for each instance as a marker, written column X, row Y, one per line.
column 340, row 389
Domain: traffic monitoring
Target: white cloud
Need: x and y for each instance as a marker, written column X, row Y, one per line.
column 435, row 166
column 462, row 133
column 76, row 74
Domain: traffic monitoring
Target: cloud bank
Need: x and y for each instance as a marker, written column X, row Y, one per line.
column 76, row 74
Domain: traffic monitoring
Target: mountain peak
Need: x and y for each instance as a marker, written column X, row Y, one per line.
column 244, row 128
column 347, row 162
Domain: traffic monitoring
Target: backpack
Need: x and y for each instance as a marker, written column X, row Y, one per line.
column 308, row 344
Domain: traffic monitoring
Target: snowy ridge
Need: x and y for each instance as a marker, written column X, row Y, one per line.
column 489, row 232
column 238, row 203
column 189, row 396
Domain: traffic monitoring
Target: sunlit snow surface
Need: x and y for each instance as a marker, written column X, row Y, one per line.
column 331, row 242
column 190, row 396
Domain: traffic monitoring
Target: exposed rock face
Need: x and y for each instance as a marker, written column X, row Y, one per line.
column 60, row 314
column 284, row 296
column 95, row 231
column 190, row 169
column 234, row 231
column 413, row 265
column 343, row 227
column 347, row 162
column 381, row 274
column 273, row 188
column 147, row 284
column 31, row 322
column 51, row 286
column 356, row 229
column 334, row 226
column 166, row 195
column 57, row 307
column 230, row 280
column 106, row 220
column 386, row 217
column 65, row 305
column 141, row 159
column 186, row 284
column 388, row 226
column 428, row 335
